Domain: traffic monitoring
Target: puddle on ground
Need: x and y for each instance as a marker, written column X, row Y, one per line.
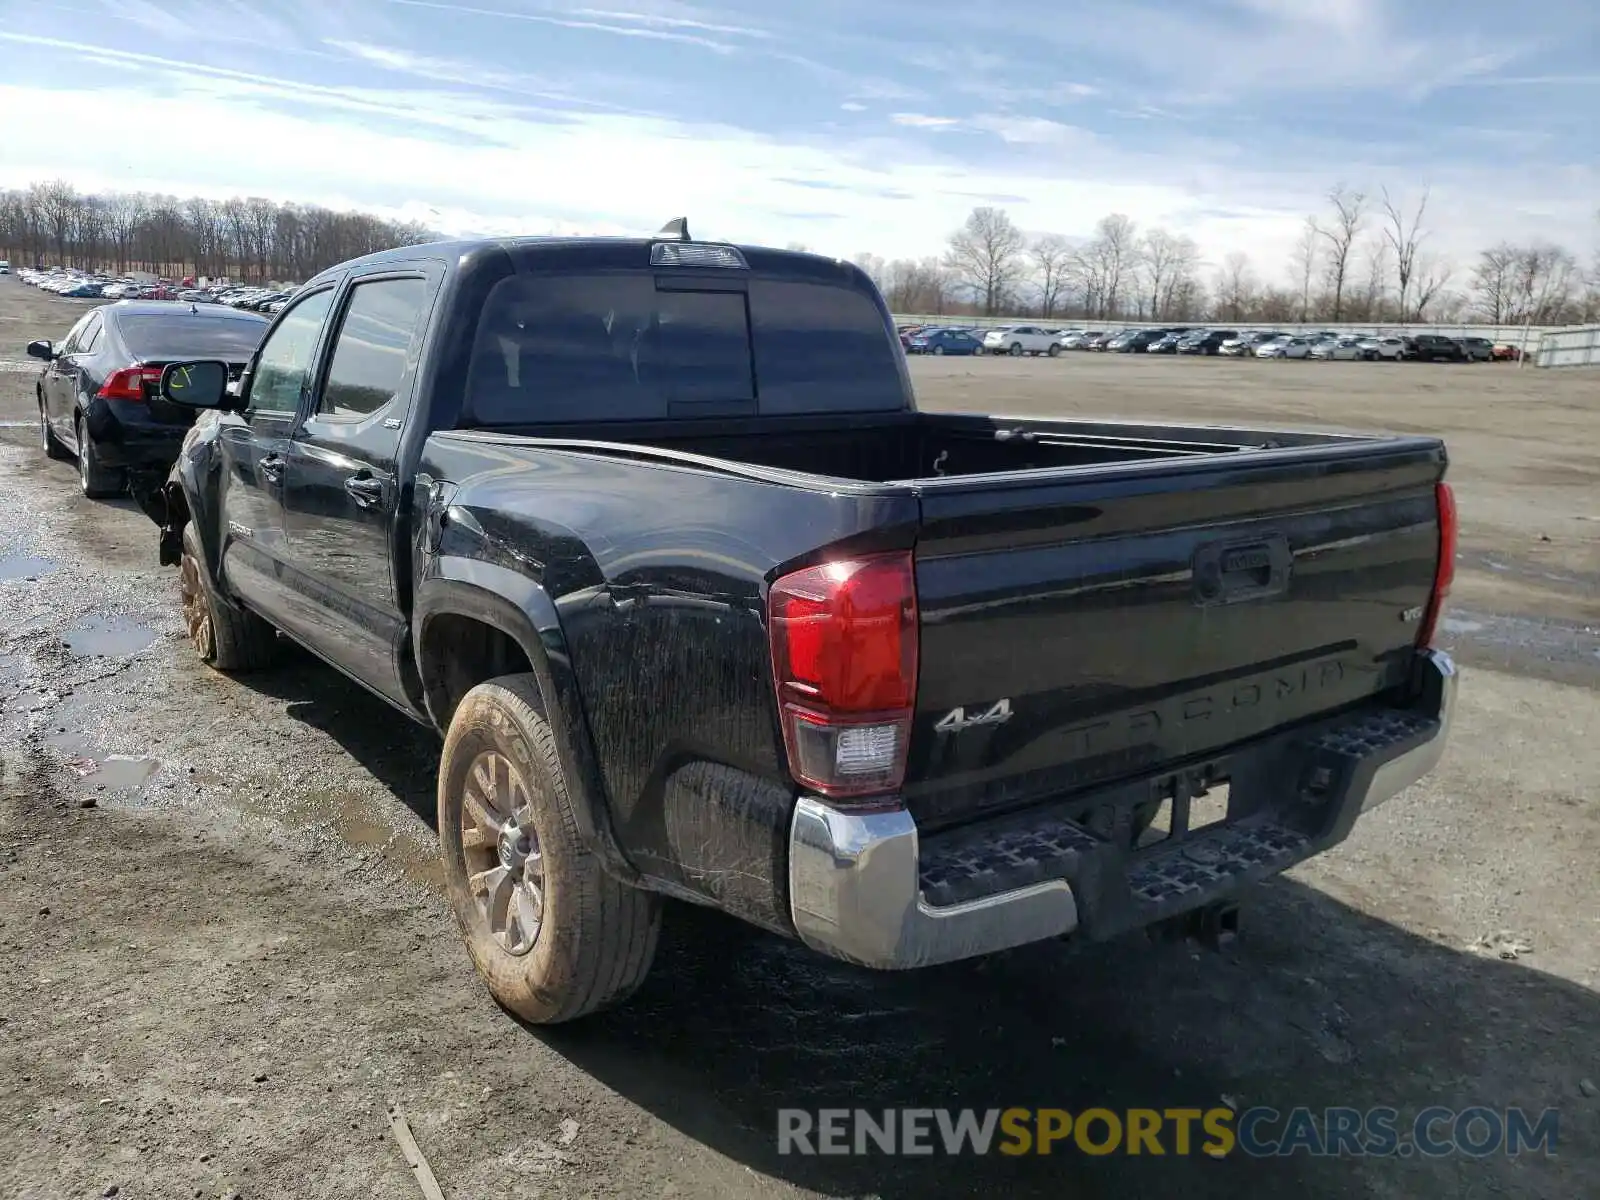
column 70, row 742
column 24, row 566
column 109, row 636
column 114, row 772
column 351, row 818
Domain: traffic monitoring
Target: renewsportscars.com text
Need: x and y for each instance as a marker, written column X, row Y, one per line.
column 1258, row 1132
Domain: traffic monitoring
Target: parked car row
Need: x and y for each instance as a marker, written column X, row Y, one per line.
column 82, row 285
column 1328, row 345
column 957, row 339
column 255, row 299
column 85, row 285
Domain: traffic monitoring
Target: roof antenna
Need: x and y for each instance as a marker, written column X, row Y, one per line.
column 677, row 229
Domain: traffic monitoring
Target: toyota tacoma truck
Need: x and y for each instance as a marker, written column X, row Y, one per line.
column 652, row 532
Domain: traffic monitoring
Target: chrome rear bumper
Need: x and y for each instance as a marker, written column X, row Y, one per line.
column 856, row 884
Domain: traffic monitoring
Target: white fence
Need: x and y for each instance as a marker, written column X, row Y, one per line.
column 1576, row 347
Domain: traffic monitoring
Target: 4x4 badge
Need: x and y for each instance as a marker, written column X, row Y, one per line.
column 957, row 720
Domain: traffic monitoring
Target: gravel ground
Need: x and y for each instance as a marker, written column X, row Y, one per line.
column 224, row 956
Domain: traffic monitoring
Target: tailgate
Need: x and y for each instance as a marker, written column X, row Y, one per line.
column 1085, row 625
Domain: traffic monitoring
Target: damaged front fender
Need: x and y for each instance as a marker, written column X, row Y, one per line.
column 186, row 493
column 162, row 500
column 169, row 509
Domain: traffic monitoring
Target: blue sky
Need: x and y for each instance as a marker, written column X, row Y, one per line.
column 846, row 126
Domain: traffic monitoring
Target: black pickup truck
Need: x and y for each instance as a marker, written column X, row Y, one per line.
column 652, row 531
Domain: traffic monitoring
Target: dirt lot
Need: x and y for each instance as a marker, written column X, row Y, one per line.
column 223, row 956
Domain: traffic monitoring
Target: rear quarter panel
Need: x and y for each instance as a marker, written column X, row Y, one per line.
column 657, row 575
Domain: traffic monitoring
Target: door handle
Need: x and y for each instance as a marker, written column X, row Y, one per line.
column 364, row 490
column 272, row 467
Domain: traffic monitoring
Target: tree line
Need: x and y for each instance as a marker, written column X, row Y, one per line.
column 244, row 239
column 1365, row 259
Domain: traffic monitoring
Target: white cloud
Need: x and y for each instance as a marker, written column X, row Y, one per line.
column 479, row 149
column 621, row 24
column 671, row 22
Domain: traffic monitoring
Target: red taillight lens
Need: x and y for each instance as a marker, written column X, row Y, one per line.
column 1445, row 573
column 844, row 659
column 128, row 383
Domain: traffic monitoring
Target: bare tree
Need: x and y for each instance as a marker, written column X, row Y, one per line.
column 1053, row 258
column 911, row 286
column 1349, row 210
column 1236, row 287
column 1492, row 282
column 985, row 256
column 1306, row 256
column 1376, row 285
column 1431, row 275
column 1543, row 283
column 57, row 204
column 1404, row 237
column 872, row 265
column 1526, row 284
column 1183, row 295
column 1158, row 251
column 125, row 212
column 263, row 218
column 1278, row 306
column 1108, row 260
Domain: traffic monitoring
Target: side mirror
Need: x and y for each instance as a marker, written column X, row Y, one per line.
column 201, row 384
column 42, row 350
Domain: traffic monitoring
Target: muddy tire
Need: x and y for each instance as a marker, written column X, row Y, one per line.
column 49, row 443
column 553, row 935
column 98, row 482
column 225, row 637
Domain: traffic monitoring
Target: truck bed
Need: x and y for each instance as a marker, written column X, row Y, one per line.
column 893, row 447
column 1139, row 596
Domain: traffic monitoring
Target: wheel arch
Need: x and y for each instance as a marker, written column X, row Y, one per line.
column 473, row 621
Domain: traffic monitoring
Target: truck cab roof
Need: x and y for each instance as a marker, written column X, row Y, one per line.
column 556, row 253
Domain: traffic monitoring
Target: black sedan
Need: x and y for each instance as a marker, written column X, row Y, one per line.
column 99, row 394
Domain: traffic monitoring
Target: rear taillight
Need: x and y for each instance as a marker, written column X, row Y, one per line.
column 129, row 383
column 844, row 659
column 1445, row 573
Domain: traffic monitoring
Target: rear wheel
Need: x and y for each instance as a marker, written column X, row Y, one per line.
column 1016, row 349
column 48, row 441
column 554, row 936
column 937, row 350
column 98, row 482
column 1054, row 350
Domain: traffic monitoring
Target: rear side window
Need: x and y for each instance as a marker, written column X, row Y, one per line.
column 72, row 343
column 373, row 347
column 152, row 337
column 566, row 348
column 619, row 347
